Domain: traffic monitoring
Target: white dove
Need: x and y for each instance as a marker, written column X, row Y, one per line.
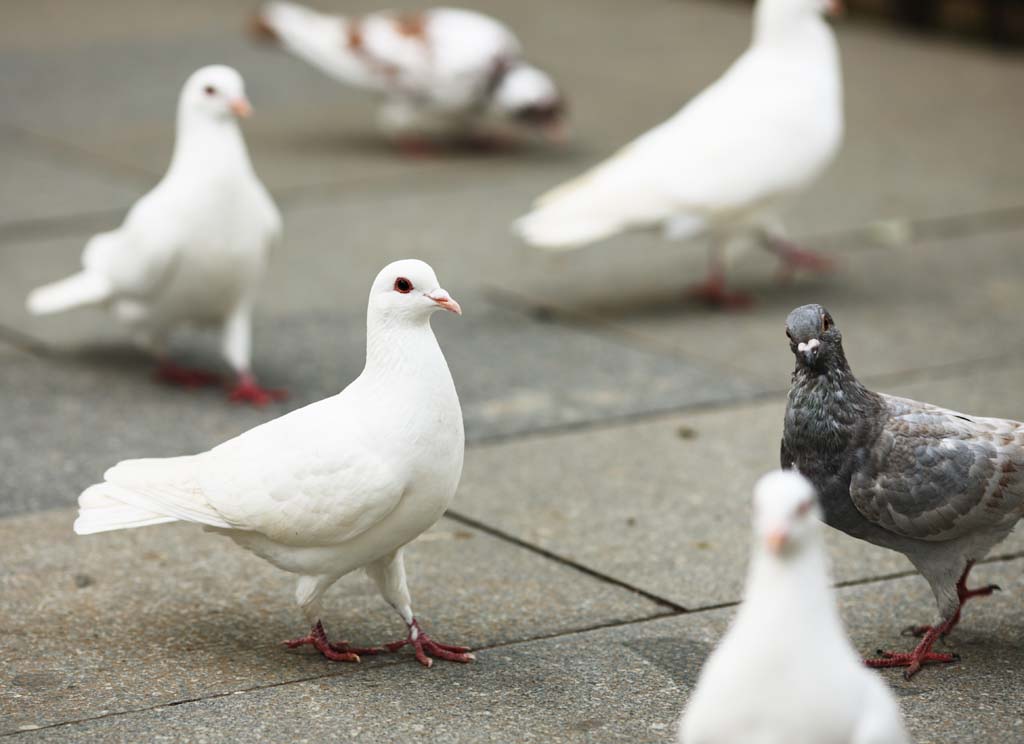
column 340, row 484
column 726, row 161
column 785, row 672
column 444, row 72
column 193, row 249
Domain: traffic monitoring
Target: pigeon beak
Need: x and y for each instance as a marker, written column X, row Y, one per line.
column 776, row 541
column 834, row 8
column 241, row 108
column 809, row 350
column 445, row 300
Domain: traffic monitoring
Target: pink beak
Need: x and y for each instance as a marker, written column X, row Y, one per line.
column 776, row 541
column 241, row 108
column 445, row 300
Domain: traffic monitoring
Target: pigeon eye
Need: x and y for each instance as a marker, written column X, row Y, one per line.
column 210, row 90
column 803, row 508
column 403, row 285
column 826, row 323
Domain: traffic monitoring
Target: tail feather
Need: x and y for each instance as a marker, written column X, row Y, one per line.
column 138, row 493
column 80, row 290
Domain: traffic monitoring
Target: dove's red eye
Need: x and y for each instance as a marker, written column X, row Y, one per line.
column 403, row 285
column 209, row 90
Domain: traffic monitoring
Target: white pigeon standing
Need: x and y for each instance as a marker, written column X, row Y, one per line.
column 725, row 163
column 785, row 672
column 191, row 251
column 443, row 72
column 340, row 484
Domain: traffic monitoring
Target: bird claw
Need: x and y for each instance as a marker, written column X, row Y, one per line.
column 247, row 390
column 713, row 292
column 425, row 648
column 336, row 651
column 913, row 661
column 173, row 374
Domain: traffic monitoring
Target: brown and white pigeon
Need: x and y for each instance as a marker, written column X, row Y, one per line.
column 443, row 72
column 939, row 486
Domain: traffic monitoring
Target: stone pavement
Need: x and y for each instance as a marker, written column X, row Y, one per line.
column 597, row 545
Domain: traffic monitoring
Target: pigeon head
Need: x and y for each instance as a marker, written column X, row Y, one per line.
column 216, row 91
column 528, row 96
column 814, row 338
column 408, row 291
column 786, row 512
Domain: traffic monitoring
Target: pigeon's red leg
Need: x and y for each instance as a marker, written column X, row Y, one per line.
column 426, row 647
column 794, row 258
column 417, row 148
column 920, row 656
column 247, row 390
column 172, row 374
column 964, row 594
column 712, row 291
column 337, row 651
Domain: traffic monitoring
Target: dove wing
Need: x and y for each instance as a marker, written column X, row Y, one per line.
column 935, row 474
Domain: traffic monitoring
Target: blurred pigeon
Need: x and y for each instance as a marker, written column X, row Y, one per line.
column 761, row 684
column 443, row 72
column 941, row 487
column 341, row 484
column 193, row 249
column 724, row 163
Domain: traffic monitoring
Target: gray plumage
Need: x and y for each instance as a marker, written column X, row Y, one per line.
column 939, row 486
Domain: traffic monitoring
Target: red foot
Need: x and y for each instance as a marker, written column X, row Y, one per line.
column 418, row 148
column 713, row 292
column 339, row 651
column 964, row 594
column 425, row 647
column 246, row 390
column 796, row 259
column 172, row 374
column 917, row 658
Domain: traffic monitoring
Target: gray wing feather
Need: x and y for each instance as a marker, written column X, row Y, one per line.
column 935, row 474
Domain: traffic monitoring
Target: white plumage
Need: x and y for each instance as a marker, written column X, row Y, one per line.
column 338, row 485
column 725, row 162
column 193, row 249
column 785, row 673
column 441, row 71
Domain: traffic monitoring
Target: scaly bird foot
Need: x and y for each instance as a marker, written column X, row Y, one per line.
column 247, row 390
column 713, row 292
column 336, row 651
column 426, row 648
column 917, row 658
column 173, row 374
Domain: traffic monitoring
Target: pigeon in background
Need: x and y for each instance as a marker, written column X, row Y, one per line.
column 340, row 484
column 726, row 162
column 192, row 250
column 941, row 487
column 761, row 684
column 443, row 72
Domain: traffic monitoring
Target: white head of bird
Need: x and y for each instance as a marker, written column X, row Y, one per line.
column 217, row 92
column 529, row 97
column 787, row 516
column 407, row 291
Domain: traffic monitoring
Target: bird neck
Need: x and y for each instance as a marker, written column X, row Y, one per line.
column 787, row 24
column 793, row 588
column 207, row 144
column 404, row 348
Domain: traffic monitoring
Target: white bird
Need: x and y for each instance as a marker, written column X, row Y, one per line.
column 723, row 165
column 192, row 250
column 443, row 72
column 340, row 484
column 785, row 672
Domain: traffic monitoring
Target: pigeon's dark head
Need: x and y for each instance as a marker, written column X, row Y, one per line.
column 814, row 338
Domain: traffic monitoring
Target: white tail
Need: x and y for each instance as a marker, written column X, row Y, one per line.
column 79, row 290
column 138, row 493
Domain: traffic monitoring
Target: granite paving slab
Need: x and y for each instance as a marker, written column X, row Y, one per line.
column 113, row 622
column 664, row 504
column 610, row 685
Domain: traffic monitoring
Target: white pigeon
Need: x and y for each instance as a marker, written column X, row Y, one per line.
column 340, row 484
column 723, row 164
column 443, row 72
column 192, row 250
column 785, row 672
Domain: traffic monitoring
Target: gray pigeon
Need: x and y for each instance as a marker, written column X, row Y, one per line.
column 941, row 487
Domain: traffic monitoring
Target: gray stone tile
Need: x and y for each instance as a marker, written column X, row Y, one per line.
column 38, row 184
column 148, row 617
column 571, row 689
column 679, row 486
column 932, row 303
